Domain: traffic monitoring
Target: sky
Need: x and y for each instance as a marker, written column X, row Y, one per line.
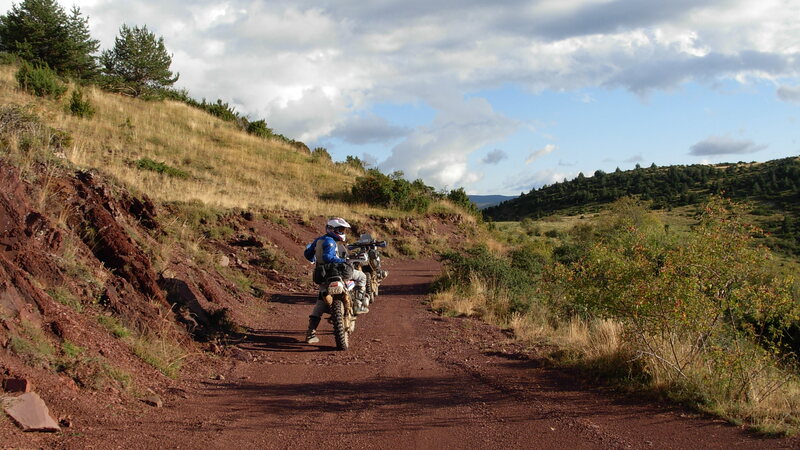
column 498, row 97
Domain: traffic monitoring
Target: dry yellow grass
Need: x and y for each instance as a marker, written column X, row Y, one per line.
column 227, row 168
column 471, row 303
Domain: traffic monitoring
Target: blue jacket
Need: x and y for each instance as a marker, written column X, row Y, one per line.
column 328, row 251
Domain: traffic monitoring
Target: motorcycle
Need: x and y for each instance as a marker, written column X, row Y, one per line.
column 337, row 292
column 367, row 248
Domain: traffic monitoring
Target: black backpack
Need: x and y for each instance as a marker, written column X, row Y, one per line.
column 324, row 272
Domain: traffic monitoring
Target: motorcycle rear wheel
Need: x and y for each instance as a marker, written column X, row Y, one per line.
column 341, row 330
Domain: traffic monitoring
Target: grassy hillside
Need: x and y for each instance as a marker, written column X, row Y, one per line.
column 174, row 152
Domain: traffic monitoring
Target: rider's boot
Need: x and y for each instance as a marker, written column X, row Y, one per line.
column 311, row 333
column 361, row 301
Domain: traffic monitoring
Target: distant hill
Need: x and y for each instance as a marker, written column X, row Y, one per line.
column 485, row 201
column 773, row 187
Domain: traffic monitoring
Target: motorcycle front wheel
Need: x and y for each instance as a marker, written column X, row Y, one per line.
column 372, row 288
column 341, row 329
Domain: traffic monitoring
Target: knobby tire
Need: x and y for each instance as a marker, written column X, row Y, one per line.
column 340, row 331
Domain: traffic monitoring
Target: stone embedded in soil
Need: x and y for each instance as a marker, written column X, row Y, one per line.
column 17, row 385
column 31, row 413
column 241, row 355
column 224, row 261
column 154, row 400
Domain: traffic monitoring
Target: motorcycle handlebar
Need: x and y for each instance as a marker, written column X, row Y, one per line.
column 381, row 244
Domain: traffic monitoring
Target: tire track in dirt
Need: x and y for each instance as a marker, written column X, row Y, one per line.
column 410, row 380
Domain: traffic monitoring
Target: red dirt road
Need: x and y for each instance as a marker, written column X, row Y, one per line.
column 410, row 380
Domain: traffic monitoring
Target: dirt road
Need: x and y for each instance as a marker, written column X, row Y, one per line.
column 411, row 380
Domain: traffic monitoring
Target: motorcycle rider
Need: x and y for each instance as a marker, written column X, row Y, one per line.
column 330, row 249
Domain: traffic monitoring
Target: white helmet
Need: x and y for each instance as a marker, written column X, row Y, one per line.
column 336, row 228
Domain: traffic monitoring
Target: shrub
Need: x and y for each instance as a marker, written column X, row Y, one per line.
column 21, row 131
column 531, row 258
column 16, row 119
column 355, row 162
column 704, row 311
column 40, row 81
column 552, row 233
column 160, row 167
column 460, row 198
column 321, row 155
column 259, row 128
column 222, row 324
column 268, row 258
column 515, row 286
column 220, row 109
column 376, row 188
column 7, row 58
column 78, row 106
column 530, row 227
column 160, row 352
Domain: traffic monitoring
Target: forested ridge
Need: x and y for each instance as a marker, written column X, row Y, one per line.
column 773, row 189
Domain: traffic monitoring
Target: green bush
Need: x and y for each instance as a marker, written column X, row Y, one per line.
column 355, row 162
column 502, row 278
column 160, row 167
column 259, row 128
column 268, row 258
column 459, row 197
column 220, row 109
column 78, row 106
column 376, row 188
column 709, row 294
column 7, row 58
column 40, row 81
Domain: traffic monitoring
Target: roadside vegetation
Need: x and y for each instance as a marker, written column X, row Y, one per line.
column 702, row 314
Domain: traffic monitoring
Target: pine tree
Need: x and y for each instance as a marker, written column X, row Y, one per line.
column 83, row 63
column 40, row 31
column 139, row 62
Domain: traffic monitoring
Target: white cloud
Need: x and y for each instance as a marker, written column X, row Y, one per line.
column 369, row 160
column 438, row 152
column 723, row 145
column 539, row 153
column 369, row 128
column 523, row 182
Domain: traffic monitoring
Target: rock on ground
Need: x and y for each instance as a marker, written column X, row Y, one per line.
column 31, row 413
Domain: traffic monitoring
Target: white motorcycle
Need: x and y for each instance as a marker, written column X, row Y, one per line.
column 369, row 262
column 338, row 296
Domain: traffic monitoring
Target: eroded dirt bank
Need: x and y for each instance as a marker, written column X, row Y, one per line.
column 411, row 380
